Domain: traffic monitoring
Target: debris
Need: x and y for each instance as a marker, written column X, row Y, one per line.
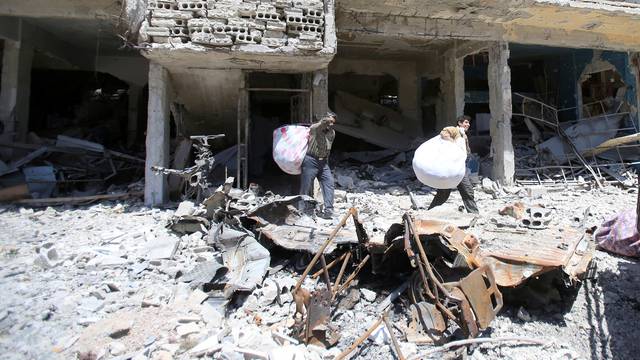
column 78, row 200
column 368, row 295
column 206, row 347
column 47, row 256
column 523, row 314
column 458, row 343
column 516, row 210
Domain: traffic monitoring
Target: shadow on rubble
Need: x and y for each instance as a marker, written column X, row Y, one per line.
column 613, row 312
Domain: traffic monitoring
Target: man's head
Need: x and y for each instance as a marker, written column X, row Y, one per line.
column 464, row 121
column 330, row 117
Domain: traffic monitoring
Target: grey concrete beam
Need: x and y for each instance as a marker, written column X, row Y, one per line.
column 71, row 9
column 499, row 76
column 16, row 89
column 156, row 190
column 452, row 87
column 320, row 93
column 16, row 29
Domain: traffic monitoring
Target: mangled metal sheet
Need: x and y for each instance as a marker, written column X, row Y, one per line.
column 281, row 222
column 516, row 257
column 245, row 258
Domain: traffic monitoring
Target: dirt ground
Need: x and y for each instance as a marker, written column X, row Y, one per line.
column 102, row 282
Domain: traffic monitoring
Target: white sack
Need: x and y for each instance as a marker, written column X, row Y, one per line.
column 289, row 147
column 440, row 163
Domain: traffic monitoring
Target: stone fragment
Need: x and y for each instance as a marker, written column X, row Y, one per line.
column 184, row 330
column 368, row 295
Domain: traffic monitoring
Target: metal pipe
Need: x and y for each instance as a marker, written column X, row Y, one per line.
column 330, row 265
column 343, row 268
column 324, row 246
column 361, row 339
column 394, row 341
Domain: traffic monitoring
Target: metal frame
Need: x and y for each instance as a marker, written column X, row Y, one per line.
column 244, row 122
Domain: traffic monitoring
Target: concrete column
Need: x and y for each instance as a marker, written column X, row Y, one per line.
column 320, row 92
column 452, row 89
column 156, row 190
column 15, row 91
column 135, row 92
column 499, row 75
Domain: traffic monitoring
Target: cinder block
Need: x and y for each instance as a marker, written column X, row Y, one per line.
column 167, row 23
column 248, row 23
column 180, row 32
column 303, row 20
column 160, row 39
column 308, row 4
column 276, row 25
column 313, row 13
column 305, row 45
column 247, row 9
column 223, row 12
column 266, row 8
column 198, row 8
column 274, row 34
column 212, row 39
column 199, row 22
column 162, row 5
column 158, row 31
column 245, row 39
column 274, row 42
column 171, row 14
column 282, row 4
column 297, row 29
column 309, row 36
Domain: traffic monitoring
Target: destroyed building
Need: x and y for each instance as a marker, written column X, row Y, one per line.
column 171, row 100
column 130, row 73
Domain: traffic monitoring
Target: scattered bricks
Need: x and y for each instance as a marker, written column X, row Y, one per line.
column 167, row 23
column 162, row 5
column 245, row 39
column 171, row 14
column 297, row 29
column 212, row 39
column 276, row 25
column 257, row 34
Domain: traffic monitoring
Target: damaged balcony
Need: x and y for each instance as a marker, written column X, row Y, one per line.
column 282, row 36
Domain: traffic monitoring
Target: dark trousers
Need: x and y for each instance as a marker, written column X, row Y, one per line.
column 313, row 168
column 466, row 191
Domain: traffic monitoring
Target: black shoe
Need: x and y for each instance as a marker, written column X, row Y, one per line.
column 327, row 215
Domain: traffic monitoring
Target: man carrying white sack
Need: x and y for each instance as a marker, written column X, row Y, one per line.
column 465, row 187
column 316, row 162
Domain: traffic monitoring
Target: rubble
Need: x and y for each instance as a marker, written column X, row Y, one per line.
column 233, row 289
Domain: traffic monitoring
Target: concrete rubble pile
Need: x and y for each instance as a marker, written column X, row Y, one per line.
column 233, row 276
column 224, row 23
